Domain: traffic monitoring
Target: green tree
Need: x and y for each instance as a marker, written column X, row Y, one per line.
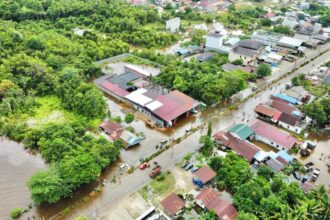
column 129, row 118
column 47, row 186
column 263, row 70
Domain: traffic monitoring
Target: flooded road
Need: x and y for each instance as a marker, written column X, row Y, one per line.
column 16, row 167
column 320, row 157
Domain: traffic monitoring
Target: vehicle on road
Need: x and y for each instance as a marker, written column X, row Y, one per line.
column 189, row 167
column 316, row 173
column 155, row 171
column 164, row 141
column 144, row 165
column 311, row 145
column 254, row 88
column 296, row 175
column 194, row 169
column 188, row 130
column 185, row 164
column 309, row 167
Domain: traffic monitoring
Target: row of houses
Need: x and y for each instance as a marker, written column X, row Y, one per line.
column 207, row 199
column 162, row 107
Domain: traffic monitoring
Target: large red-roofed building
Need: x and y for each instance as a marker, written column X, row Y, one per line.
column 173, row 204
column 273, row 136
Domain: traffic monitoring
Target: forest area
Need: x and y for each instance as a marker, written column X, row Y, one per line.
column 45, row 100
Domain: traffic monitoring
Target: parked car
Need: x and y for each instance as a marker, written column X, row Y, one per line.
column 296, row 175
column 185, row 164
column 194, row 169
column 144, row 165
column 189, row 167
column 315, row 175
column 188, row 130
column 328, row 165
column 164, row 141
column 308, row 166
column 311, row 145
column 254, row 88
column 155, row 171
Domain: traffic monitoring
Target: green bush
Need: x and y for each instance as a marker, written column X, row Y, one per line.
column 129, row 118
column 15, row 213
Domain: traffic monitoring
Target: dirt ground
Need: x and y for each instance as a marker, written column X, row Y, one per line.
column 128, row 208
column 134, row 205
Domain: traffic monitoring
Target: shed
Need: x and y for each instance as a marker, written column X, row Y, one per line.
column 242, row 130
column 285, row 156
column 287, row 98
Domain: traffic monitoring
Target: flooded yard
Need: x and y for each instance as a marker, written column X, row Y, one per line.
column 17, row 166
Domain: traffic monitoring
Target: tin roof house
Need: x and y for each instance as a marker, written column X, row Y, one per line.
column 272, row 136
column 246, row 50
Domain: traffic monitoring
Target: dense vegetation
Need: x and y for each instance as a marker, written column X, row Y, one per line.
column 205, row 81
column 268, row 195
column 320, row 10
column 42, row 58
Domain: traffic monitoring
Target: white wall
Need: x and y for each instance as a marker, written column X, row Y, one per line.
column 269, row 142
column 214, row 42
column 294, row 129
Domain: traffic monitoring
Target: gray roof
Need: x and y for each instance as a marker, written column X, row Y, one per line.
column 250, row 44
column 122, row 80
column 244, row 51
column 274, row 165
column 214, row 35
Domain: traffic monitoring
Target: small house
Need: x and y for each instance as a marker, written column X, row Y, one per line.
column 268, row 113
column 242, row 131
column 204, row 176
column 209, row 199
column 246, row 50
column 173, row 205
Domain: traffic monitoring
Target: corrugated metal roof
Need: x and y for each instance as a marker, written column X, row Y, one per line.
column 242, row 130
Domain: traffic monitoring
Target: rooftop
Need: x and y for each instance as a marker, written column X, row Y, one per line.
column 289, row 119
column 242, row 130
column 283, row 107
column 289, row 41
column 241, row 147
column 244, row 51
column 268, row 111
column 286, row 98
column 250, row 44
column 275, row 165
column 273, row 134
column 172, row 204
column 205, row 174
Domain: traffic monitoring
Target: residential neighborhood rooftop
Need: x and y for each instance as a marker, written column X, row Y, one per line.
column 205, row 174
column 274, row 134
column 172, row 204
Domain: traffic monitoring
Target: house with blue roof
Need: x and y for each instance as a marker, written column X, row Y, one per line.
column 287, row 98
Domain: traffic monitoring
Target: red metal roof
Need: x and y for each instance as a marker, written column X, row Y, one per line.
column 267, row 110
column 211, row 201
column 283, row 106
column 273, row 134
column 205, row 174
column 174, row 104
column 207, row 195
column 241, row 147
column 115, row 89
column 172, row 204
column 223, row 209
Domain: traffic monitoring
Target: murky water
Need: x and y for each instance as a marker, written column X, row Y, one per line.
column 16, row 167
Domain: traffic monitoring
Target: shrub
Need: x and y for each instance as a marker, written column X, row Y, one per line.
column 129, row 118
column 16, row 213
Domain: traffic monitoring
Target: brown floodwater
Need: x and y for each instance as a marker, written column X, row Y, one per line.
column 16, row 167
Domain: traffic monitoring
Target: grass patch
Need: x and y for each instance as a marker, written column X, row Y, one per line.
column 160, row 186
column 49, row 111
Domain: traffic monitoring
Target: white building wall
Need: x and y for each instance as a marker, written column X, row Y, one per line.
column 173, row 25
column 269, row 142
column 214, row 42
column 294, row 129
